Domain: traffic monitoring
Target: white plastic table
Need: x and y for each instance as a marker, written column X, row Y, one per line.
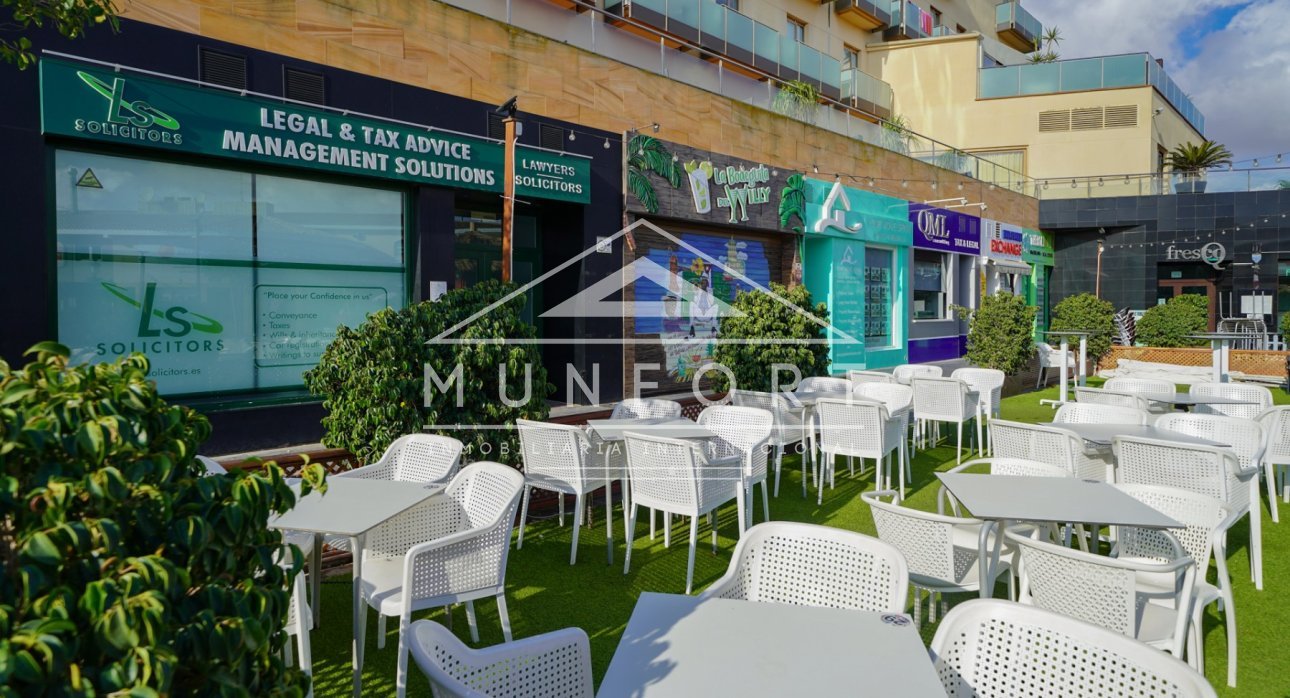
column 1104, row 434
column 1005, row 499
column 667, row 427
column 351, row 507
column 1189, row 400
column 681, row 646
column 1080, row 371
column 1220, row 343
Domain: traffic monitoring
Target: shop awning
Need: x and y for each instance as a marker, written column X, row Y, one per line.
column 1009, row 266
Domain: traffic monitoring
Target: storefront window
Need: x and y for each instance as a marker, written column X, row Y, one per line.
column 228, row 281
column 878, row 297
column 931, row 285
column 1283, row 290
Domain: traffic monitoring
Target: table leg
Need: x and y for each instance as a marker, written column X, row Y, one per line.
column 1216, row 349
column 1083, row 360
column 360, row 613
column 315, row 577
column 1225, row 353
column 1065, row 348
column 983, row 557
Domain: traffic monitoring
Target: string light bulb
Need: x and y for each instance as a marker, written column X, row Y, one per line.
column 606, row 144
column 573, row 136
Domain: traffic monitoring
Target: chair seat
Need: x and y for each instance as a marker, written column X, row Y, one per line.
column 967, row 573
column 382, row 585
column 1156, row 622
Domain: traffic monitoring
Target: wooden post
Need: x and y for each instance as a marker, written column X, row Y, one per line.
column 508, row 197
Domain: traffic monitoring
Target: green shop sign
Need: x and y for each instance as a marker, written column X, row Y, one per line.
column 84, row 102
column 1037, row 247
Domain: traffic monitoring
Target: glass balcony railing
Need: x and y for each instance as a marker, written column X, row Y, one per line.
column 867, row 92
column 908, row 21
column 942, row 30
column 1220, row 181
column 1106, row 72
column 1017, row 27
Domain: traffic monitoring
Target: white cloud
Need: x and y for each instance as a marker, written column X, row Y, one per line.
column 1238, row 76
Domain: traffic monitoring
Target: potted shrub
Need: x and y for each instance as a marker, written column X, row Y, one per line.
column 1190, row 160
column 1171, row 323
column 763, row 317
column 1087, row 313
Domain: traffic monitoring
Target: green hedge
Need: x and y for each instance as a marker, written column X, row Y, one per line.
column 1086, row 312
column 1169, row 324
column 1000, row 332
column 791, row 330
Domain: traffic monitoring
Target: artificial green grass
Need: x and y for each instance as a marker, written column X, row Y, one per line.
column 545, row 593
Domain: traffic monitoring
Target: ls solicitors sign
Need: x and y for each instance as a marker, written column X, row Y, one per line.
column 84, row 102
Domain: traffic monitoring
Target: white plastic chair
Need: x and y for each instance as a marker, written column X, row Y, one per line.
column 1245, row 438
column 1051, row 358
column 835, row 384
column 789, row 426
column 451, row 548
column 615, row 461
column 988, row 384
column 809, row 565
column 1105, row 591
column 427, row 458
column 906, row 373
column 945, row 400
column 1093, row 413
column 899, row 400
column 1144, row 388
column 1259, row 397
column 941, row 551
column 991, row 648
column 211, row 466
column 557, row 458
column 675, row 476
column 857, row 377
column 742, row 432
column 643, row 408
column 1276, row 455
column 1204, row 520
column 552, row 665
column 1101, row 396
column 860, row 430
column 1048, row 443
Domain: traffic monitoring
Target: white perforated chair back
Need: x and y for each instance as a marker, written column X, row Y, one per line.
column 1259, row 397
column 641, row 408
column 429, row 458
column 926, row 540
column 857, row 428
column 858, row 377
column 664, row 473
column 1202, row 518
column 1020, row 467
column 210, row 467
column 1207, row 470
column 1276, row 423
column 1052, row 358
column 741, row 431
column 1040, row 442
column 899, row 399
column 810, row 565
column 991, row 648
column 1093, row 413
column 788, row 421
column 1099, row 396
column 987, row 382
column 905, row 373
column 551, row 665
column 555, row 455
column 1243, row 436
column 835, row 384
column 942, row 399
column 1140, row 386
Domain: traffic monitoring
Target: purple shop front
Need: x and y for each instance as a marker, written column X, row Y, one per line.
column 959, row 236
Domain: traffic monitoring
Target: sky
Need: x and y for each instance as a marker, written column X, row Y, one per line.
column 1230, row 56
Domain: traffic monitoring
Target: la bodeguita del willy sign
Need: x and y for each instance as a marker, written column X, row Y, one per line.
column 80, row 101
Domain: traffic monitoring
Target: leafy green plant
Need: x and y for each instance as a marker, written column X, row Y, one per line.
column 898, row 134
column 1000, row 332
column 125, row 571
column 70, row 17
column 1046, row 47
column 646, row 154
column 1086, row 312
column 1193, row 158
column 1169, row 324
column 376, row 383
column 792, row 202
column 798, row 100
column 766, row 318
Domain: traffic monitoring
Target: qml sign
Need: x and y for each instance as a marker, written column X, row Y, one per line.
column 81, row 101
column 1211, row 253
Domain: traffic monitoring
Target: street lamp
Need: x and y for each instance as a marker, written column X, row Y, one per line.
column 507, row 110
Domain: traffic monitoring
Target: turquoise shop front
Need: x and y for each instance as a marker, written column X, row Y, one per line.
column 855, row 259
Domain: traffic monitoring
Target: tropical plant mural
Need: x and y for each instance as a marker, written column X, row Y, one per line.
column 647, row 154
column 792, row 202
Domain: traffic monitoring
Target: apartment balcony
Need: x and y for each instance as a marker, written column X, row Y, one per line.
column 1085, row 74
column 575, row 5
column 908, row 21
column 864, row 14
column 1017, row 28
column 942, row 30
column 866, row 93
column 719, row 34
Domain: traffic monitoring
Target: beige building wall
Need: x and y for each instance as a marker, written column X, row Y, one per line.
column 935, row 84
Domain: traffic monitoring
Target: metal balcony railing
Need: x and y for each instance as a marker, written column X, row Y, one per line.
column 1219, row 181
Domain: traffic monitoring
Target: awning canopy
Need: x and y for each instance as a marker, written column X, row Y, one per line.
column 1009, row 266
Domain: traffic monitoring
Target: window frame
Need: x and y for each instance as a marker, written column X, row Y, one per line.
column 947, row 261
column 796, row 28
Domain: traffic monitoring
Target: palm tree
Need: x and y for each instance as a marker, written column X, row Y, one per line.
column 1192, row 158
column 1052, row 37
column 647, row 154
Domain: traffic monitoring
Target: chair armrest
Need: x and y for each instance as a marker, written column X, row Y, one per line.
column 523, row 663
column 380, row 470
